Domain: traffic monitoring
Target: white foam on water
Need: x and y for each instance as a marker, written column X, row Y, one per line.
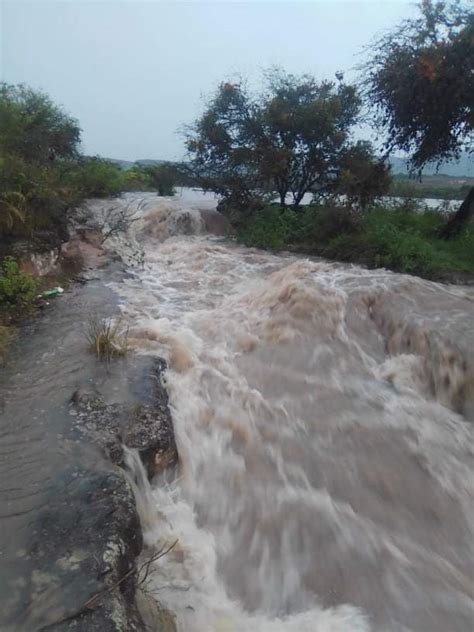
column 320, row 414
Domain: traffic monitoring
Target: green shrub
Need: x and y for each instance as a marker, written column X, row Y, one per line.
column 33, row 196
column 404, row 239
column 36, row 139
column 163, row 178
column 17, row 289
column 398, row 236
column 275, row 227
column 96, row 178
column 318, row 223
column 137, row 179
column 272, row 228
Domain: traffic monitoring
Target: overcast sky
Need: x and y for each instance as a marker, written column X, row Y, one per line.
column 133, row 72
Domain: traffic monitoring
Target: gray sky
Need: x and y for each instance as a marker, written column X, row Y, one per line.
column 133, row 72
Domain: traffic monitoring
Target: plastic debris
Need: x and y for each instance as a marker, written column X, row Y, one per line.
column 55, row 291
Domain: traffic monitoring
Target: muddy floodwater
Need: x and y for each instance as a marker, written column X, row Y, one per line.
column 324, row 421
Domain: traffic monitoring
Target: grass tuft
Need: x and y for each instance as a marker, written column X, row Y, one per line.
column 6, row 336
column 106, row 338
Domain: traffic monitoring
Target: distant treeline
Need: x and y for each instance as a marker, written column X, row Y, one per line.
column 154, row 175
column 439, row 188
column 44, row 176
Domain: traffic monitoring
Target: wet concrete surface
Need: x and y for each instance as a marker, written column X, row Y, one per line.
column 53, row 480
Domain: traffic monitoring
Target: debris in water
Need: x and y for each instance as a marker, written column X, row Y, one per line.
column 55, row 291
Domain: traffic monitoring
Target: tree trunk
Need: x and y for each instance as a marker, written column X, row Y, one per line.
column 460, row 218
column 298, row 198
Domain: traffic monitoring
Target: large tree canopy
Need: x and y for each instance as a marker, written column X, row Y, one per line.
column 33, row 128
column 42, row 175
column 292, row 139
column 420, row 80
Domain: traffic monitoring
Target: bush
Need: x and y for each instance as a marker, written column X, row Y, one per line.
column 404, row 239
column 17, row 289
column 42, row 175
column 32, row 197
column 322, row 222
column 96, row 178
column 275, row 227
column 137, row 179
column 272, row 228
column 401, row 237
column 163, row 178
column 36, row 139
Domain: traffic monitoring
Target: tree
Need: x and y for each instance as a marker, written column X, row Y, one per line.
column 94, row 177
column 306, row 132
column 221, row 146
column 363, row 178
column 292, row 139
column 420, row 80
column 37, row 140
column 34, row 128
column 163, row 178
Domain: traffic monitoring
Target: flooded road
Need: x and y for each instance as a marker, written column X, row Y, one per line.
column 48, row 474
column 323, row 415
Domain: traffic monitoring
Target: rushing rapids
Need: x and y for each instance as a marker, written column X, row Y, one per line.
column 323, row 419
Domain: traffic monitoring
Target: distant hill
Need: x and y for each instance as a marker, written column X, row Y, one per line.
column 123, row 164
column 464, row 167
column 149, row 163
column 128, row 164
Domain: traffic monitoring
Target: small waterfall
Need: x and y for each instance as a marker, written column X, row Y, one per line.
column 137, row 477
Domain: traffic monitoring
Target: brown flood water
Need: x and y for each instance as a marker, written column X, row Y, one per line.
column 323, row 415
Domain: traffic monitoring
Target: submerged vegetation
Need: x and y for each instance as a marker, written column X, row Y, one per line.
column 106, row 338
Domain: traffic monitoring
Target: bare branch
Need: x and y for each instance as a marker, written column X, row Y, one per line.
column 118, row 219
column 90, row 603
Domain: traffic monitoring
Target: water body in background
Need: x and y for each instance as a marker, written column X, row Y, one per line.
column 197, row 197
column 323, row 415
